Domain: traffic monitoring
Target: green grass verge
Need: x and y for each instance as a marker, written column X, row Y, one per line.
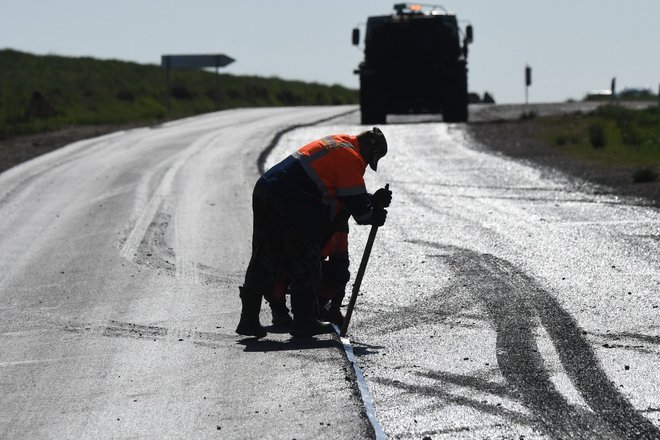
column 610, row 136
column 41, row 93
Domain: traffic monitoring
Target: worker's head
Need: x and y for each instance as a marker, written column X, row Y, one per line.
column 373, row 146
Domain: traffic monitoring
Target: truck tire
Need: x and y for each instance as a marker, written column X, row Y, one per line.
column 456, row 110
column 372, row 108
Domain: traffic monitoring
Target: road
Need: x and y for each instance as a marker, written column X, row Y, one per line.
column 500, row 301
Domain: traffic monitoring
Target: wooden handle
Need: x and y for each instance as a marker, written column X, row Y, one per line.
column 359, row 276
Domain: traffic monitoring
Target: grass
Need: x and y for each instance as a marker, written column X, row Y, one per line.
column 43, row 93
column 611, row 136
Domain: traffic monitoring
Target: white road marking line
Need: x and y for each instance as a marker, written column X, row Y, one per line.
column 367, row 400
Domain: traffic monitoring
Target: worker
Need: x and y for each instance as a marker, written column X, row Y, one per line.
column 334, row 276
column 335, row 272
column 293, row 204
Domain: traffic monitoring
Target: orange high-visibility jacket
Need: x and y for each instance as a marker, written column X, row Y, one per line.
column 318, row 180
column 336, row 167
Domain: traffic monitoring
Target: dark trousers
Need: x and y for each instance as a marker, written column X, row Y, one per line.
column 274, row 241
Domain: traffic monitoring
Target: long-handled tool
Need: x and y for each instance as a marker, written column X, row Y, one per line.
column 359, row 276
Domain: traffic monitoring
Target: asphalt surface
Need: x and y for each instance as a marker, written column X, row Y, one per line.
column 120, row 263
column 500, row 301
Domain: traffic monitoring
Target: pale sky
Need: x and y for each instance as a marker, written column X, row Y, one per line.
column 573, row 46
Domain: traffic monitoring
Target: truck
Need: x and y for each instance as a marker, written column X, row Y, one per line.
column 414, row 63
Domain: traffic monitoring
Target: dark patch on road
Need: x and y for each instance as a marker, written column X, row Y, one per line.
column 629, row 341
column 516, row 305
column 117, row 329
column 154, row 251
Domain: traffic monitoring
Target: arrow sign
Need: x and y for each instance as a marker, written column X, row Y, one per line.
column 195, row 61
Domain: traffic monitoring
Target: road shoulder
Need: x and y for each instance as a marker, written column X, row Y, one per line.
column 520, row 140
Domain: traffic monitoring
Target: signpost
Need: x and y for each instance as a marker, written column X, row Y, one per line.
column 169, row 62
column 528, row 82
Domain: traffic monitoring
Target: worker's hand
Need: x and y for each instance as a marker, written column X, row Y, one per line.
column 378, row 217
column 382, row 198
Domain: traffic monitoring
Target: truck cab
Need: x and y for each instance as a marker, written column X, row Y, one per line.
column 415, row 61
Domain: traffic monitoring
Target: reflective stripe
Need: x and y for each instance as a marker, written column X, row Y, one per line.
column 317, row 150
column 306, row 162
column 310, row 157
column 330, row 142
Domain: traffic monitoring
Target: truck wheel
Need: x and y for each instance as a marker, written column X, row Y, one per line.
column 371, row 104
column 456, row 110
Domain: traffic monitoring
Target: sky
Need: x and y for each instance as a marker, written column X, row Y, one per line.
column 572, row 46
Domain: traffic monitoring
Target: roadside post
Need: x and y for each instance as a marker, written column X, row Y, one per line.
column 169, row 62
column 528, row 82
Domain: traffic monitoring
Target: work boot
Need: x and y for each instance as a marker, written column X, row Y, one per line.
column 249, row 324
column 332, row 314
column 308, row 327
column 305, row 323
column 280, row 312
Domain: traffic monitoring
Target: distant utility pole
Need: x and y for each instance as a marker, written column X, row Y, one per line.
column 528, row 82
column 613, row 87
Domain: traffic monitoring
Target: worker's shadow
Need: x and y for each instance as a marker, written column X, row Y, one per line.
column 362, row 349
column 254, row 345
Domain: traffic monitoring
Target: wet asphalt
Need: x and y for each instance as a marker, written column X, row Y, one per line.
column 503, row 300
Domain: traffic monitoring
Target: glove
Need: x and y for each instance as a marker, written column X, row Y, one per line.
column 378, row 217
column 382, row 198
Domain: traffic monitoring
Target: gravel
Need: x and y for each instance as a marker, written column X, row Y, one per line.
column 519, row 139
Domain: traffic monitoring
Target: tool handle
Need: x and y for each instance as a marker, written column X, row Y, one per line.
column 358, row 280
column 359, row 276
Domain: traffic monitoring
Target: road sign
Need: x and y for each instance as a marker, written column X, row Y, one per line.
column 528, row 76
column 169, row 62
column 195, row 61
